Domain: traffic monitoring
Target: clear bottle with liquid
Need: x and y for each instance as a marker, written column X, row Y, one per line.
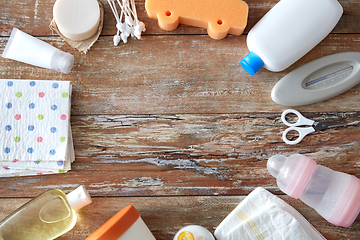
column 47, row 216
column 334, row 195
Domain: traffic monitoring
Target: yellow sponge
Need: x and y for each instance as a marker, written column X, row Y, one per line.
column 220, row 17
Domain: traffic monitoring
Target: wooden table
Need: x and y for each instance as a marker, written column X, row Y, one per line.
column 172, row 124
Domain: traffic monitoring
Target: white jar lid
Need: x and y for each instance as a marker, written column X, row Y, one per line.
column 77, row 19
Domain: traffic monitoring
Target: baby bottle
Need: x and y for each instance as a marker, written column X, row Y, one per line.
column 193, row 232
column 47, row 216
column 288, row 31
column 334, row 195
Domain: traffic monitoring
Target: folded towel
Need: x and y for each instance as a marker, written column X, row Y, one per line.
column 262, row 215
column 35, row 127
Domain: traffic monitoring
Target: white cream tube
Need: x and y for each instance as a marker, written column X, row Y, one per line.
column 27, row 49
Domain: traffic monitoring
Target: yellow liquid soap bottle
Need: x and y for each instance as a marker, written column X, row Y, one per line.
column 47, row 216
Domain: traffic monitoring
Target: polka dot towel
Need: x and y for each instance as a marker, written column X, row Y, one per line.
column 35, row 127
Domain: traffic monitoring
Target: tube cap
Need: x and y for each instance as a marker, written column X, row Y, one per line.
column 78, row 198
column 62, row 61
column 252, row 63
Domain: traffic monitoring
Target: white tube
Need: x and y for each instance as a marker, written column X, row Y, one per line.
column 27, row 49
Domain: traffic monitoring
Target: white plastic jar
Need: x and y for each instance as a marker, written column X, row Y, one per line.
column 193, row 232
column 288, row 31
column 127, row 224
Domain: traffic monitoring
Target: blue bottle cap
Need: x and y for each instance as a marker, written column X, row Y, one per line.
column 252, row 63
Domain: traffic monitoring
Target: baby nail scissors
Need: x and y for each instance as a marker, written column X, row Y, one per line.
column 300, row 124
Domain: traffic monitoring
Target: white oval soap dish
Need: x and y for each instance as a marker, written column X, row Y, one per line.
column 318, row 80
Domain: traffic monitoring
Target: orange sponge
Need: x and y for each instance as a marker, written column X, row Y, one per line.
column 220, row 17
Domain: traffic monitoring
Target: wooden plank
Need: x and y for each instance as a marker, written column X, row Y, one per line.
column 176, row 74
column 34, row 16
column 166, row 215
column 152, row 155
column 173, row 124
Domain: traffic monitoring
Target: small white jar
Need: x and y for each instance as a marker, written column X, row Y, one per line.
column 193, row 232
column 124, row 225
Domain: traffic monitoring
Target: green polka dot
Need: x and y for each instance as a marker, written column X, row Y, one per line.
column 18, row 94
column 27, row 169
column 40, row 117
column 62, row 171
column 17, row 139
column 64, row 94
column 39, row 160
column 62, row 139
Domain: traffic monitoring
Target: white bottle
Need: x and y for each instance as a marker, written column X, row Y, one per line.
column 334, row 195
column 288, row 31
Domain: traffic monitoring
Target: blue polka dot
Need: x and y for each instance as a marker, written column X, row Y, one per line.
column 31, row 128
column 53, row 129
column 30, row 150
column 9, row 105
column 52, row 152
column 54, row 107
column 37, row 162
column 7, row 150
column 8, row 128
column 10, row 83
column 55, row 85
column 32, row 83
column 32, row 105
column 60, row 163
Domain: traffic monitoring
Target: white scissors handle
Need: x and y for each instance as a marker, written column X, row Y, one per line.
column 302, row 121
column 301, row 131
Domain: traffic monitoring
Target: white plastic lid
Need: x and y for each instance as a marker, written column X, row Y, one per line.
column 78, row 198
column 292, row 174
column 62, row 61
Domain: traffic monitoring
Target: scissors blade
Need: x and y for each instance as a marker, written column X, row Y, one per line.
column 322, row 125
column 344, row 125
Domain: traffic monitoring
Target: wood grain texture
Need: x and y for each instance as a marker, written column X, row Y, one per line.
column 188, row 154
column 172, row 124
column 200, row 76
